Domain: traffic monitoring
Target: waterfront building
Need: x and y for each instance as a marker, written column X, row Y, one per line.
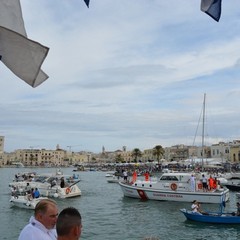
column 229, row 152
column 176, row 153
column 234, row 151
column 221, row 150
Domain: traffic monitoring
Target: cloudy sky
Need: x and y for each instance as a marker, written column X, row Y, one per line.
column 125, row 73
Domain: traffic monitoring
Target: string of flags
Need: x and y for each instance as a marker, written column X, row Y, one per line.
column 24, row 57
column 210, row 7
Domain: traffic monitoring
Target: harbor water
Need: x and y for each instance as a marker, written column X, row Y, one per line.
column 108, row 215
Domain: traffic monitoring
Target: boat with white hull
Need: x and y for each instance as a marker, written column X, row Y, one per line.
column 114, row 179
column 24, row 202
column 44, row 184
column 173, row 187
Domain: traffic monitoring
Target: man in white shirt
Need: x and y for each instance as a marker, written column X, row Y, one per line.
column 196, row 207
column 42, row 225
column 192, row 183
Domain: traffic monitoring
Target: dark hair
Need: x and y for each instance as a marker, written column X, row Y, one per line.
column 67, row 219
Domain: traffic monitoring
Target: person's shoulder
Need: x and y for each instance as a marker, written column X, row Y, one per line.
column 26, row 233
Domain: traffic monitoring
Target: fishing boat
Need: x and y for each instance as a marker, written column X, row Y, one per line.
column 211, row 217
column 172, row 187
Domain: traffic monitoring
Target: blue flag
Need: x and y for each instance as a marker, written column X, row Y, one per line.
column 87, row 2
column 212, row 8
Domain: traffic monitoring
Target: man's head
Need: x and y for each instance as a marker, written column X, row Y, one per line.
column 46, row 212
column 69, row 224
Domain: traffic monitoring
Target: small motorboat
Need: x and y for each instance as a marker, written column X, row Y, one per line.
column 68, row 192
column 114, row 179
column 233, row 186
column 109, row 174
column 211, row 217
column 25, row 202
column 50, row 186
column 72, row 178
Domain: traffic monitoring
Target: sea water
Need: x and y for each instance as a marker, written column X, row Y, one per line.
column 108, row 215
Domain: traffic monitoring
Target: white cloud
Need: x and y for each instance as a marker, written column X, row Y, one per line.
column 127, row 73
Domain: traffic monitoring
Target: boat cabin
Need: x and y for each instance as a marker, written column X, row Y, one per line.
column 175, row 177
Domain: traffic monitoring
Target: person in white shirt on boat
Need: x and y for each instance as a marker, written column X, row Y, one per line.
column 125, row 175
column 14, row 192
column 196, row 207
column 42, row 225
column 192, row 183
column 28, row 187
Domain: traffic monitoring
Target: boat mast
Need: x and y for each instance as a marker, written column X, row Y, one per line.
column 204, row 100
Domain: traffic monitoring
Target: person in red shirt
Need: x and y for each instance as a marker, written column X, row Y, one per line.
column 146, row 176
column 134, row 177
column 210, row 183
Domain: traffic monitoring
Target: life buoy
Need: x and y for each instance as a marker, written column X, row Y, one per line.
column 68, row 190
column 174, row 186
column 200, row 186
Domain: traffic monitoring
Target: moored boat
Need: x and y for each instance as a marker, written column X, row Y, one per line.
column 234, row 186
column 173, row 187
column 49, row 186
column 114, row 179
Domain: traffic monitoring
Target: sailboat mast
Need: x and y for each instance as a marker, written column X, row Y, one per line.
column 204, row 103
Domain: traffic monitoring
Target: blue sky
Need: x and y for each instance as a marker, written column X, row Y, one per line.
column 125, row 73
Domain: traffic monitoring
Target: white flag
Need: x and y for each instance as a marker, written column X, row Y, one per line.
column 24, row 57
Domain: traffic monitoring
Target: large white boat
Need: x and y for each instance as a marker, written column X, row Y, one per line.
column 173, row 187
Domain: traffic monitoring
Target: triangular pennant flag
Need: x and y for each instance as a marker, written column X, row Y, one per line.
column 24, row 57
column 87, row 2
column 212, row 8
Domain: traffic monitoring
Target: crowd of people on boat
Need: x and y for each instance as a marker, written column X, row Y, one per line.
column 206, row 183
column 133, row 174
column 30, row 176
column 28, row 191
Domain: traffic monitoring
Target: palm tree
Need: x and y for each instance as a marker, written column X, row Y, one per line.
column 158, row 151
column 119, row 158
column 136, row 153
